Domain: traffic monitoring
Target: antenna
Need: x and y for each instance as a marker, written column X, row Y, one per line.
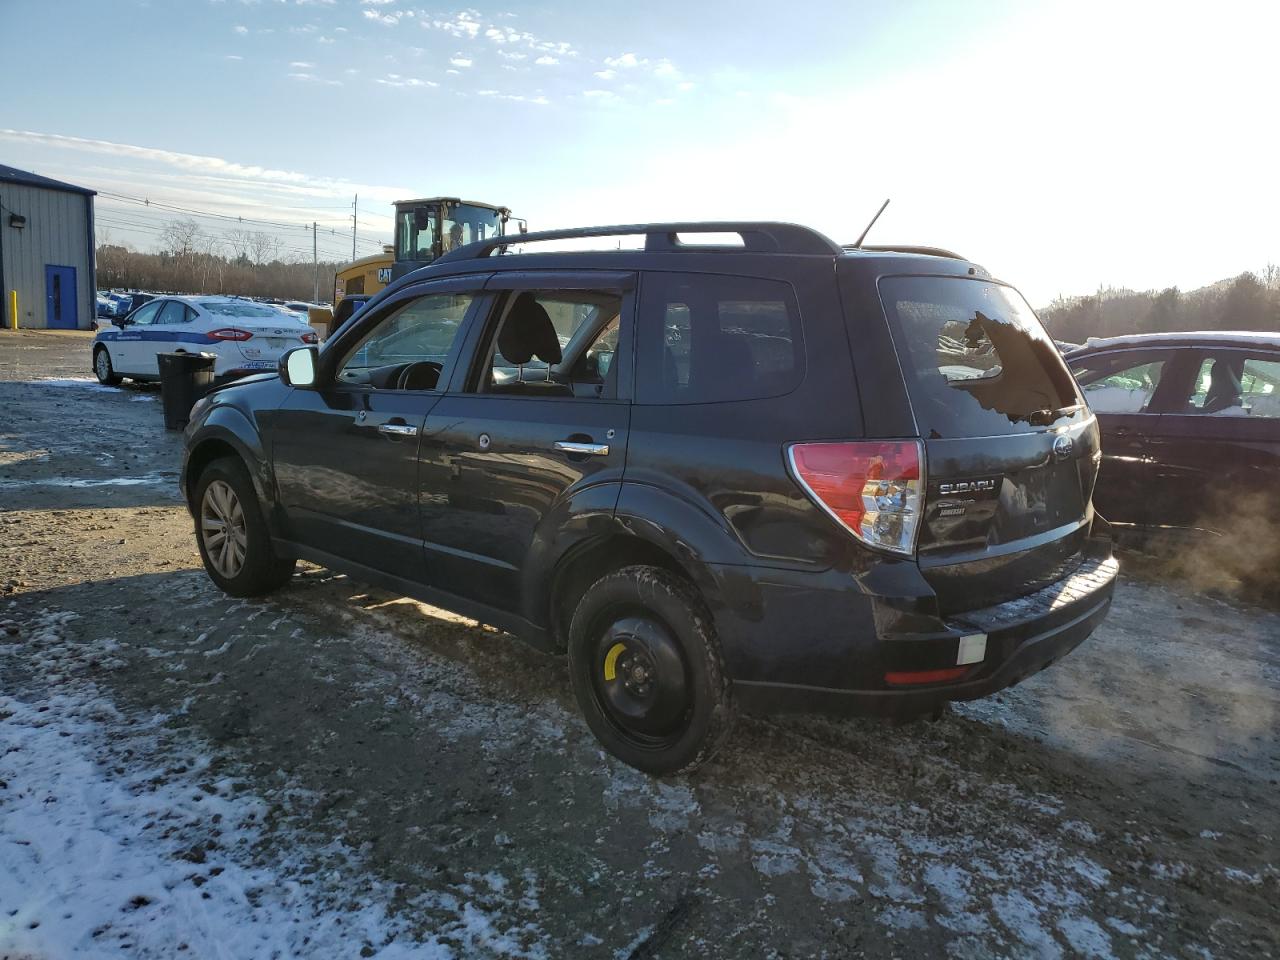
column 862, row 236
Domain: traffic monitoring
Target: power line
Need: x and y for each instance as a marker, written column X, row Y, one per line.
column 230, row 218
column 155, row 221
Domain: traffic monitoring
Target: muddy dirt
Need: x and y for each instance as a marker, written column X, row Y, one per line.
column 1123, row 803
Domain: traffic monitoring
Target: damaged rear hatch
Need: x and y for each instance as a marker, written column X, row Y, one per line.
column 1010, row 447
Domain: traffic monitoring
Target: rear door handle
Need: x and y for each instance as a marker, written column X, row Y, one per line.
column 398, row 429
column 590, row 449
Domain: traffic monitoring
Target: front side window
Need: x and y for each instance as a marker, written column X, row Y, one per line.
column 407, row 349
column 415, row 234
column 554, row 343
column 977, row 361
column 1233, row 384
column 705, row 339
column 146, row 315
column 1120, row 382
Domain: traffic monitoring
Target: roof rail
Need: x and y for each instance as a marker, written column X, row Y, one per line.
column 757, row 237
column 899, row 248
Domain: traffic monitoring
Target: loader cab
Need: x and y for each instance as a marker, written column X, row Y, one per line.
column 429, row 228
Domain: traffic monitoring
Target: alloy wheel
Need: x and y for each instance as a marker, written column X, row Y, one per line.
column 222, row 529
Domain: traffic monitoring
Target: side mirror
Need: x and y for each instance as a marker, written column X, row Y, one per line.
column 421, row 218
column 298, row 367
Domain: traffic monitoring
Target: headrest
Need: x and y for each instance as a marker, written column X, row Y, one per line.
column 528, row 332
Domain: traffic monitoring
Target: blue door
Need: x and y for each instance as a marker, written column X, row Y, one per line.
column 60, row 297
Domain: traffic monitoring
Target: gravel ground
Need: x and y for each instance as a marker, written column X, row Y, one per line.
column 335, row 771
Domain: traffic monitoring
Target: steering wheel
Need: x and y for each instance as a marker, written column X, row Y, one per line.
column 419, row 375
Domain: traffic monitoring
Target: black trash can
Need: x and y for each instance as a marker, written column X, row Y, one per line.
column 184, row 379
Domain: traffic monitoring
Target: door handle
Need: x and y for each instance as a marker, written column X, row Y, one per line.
column 590, row 449
column 398, row 429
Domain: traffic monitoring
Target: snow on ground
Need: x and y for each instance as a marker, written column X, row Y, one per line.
column 111, row 841
column 86, row 383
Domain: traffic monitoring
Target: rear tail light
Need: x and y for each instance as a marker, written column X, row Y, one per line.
column 310, row 337
column 230, row 333
column 872, row 488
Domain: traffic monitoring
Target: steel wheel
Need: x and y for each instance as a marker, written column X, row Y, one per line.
column 641, row 681
column 222, row 527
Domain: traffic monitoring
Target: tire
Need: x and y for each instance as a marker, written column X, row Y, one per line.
column 242, row 564
column 647, row 671
column 102, row 367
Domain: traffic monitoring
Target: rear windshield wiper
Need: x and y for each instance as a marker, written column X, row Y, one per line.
column 1043, row 418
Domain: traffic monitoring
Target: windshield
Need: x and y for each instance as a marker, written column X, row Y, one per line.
column 976, row 360
column 465, row 224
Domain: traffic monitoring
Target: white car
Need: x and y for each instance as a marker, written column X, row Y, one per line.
column 247, row 337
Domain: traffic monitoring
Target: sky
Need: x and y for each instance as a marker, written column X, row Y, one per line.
column 1064, row 145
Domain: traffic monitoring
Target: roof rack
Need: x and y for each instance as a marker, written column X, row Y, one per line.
column 897, row 248
column 757, row 237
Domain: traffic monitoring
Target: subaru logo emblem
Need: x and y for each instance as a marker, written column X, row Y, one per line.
column 1063, row 447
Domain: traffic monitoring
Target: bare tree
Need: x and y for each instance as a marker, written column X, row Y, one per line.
column 238, row 239
column 180, row 237
column 263, row 248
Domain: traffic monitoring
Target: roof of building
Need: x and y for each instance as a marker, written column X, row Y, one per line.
column 12, row 175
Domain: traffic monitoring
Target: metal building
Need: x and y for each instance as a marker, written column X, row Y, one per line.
column 46, row 252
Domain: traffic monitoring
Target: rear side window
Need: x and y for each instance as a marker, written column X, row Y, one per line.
column 707, row 338
column 976, row 360
column 1232, row 384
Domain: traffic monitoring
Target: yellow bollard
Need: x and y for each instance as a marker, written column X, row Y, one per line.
column 13, row 309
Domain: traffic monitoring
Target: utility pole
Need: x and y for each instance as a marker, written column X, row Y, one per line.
column 315, row 263
column 355, row 212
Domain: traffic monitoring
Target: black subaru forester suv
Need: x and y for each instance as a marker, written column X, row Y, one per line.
column 742, row 467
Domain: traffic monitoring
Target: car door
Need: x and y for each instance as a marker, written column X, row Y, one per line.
column 1120, row 387
column 128, row 352
column 163, row 335
column 533, row 432
column 346, row 452
column 1216, row 458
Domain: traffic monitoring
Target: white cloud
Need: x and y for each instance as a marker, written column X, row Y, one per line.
column 395, row 80
column 686, row 86
column 460, row 61
column 627, row 61
column 376, row 3
column 546, row 61
column 512, row 55
column 242, row 30
column 464, row 23
column 606, row 74
column 386, row 19
column 540, row 100
column 664, row 68
column 312, row 78
column 302, row 65
column 600, row 94
column 508, row 35
column 234, row 56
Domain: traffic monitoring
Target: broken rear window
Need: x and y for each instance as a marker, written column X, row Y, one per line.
column 976, row 360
